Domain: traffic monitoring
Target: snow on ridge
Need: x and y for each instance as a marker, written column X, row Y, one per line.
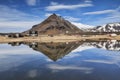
column 82, row 26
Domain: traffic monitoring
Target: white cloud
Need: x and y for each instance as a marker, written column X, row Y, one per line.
column 54, row 6
column 99, row 12
column 13, row 18
column 53, row 3
column 18, row 24
column 88, row 1
column 31, row 2
column 11, row 14
column 113, row 16
column 82, row 26
column 48, row 14
column 71, row 18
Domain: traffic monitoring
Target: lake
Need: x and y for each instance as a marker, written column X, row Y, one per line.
column 87, row 60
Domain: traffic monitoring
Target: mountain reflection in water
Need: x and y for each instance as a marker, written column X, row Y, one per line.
column 55, row 51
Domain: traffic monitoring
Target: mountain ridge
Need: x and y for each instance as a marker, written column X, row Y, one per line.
column 110, row 27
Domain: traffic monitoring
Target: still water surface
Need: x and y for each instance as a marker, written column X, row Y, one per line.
column 60, row 61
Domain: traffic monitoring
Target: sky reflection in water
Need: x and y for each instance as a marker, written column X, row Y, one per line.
column 39, row 61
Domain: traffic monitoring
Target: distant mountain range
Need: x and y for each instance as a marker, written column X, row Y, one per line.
column 111, row 27
column 55, row 24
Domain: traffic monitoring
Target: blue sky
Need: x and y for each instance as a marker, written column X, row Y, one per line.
column 20, row 15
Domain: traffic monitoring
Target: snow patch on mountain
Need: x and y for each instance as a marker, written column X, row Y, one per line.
column 82, row 26
column 111, row 27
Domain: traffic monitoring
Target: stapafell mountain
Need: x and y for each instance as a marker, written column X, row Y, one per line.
column 54, row 24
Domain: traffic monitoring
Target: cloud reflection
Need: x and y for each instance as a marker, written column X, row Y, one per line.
column 70, row 67
column 32, row 73
column 100, row 61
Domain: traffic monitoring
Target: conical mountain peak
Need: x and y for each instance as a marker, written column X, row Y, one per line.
column 54, row 16
column 54, row 24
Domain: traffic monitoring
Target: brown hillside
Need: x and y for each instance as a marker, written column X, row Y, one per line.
column 54, row 25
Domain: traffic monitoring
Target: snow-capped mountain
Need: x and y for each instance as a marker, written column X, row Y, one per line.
column 111, row 27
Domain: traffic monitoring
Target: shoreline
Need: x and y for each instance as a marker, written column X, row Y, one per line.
column 58, row 38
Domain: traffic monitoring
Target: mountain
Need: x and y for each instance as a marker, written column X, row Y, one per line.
column 54, row 25
column 111, row 27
